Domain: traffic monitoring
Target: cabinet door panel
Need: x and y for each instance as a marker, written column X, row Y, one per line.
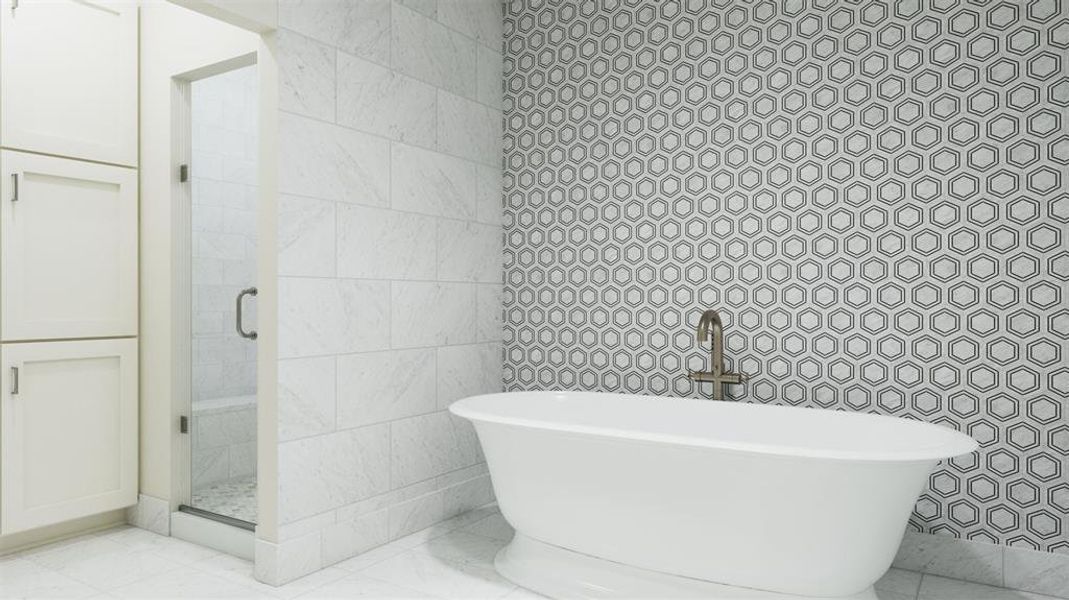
column 68, row 78
column 68, row 430
column 69, row 248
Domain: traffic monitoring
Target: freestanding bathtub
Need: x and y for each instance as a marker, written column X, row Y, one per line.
column 616, row 495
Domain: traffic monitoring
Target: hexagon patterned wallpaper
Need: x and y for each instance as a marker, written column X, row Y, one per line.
column 875, row 195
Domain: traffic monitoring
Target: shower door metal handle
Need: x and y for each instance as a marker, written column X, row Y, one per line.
column 251, row 335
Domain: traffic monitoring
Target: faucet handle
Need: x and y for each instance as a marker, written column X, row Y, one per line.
column 734, row 378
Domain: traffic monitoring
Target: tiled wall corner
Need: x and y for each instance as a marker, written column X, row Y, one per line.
column 951, row 557
column 390, row 261
column 338, row 534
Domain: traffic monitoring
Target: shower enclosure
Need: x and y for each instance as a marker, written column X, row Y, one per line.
column 223, row 170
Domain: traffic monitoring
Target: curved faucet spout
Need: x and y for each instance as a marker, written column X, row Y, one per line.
column 711, row 329
column 709, row 323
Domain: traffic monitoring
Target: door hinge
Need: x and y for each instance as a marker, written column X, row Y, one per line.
column 183, row 424
column 183, row 173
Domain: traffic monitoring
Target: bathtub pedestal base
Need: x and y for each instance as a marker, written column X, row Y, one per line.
column 560, row 573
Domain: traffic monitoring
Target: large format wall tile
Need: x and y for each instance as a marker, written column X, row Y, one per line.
column 385, row 244
column 428, row 8
column 375, row 387
column 873, row 195
column 306, row 397
column 430, row 445
column 415, row 514
column 433, row 183
column 331, row 162
column 432, row 314
column 306, row 237
column 306, row 73
column 374, row 99
column 479, row 20
column 322, row 472
column 357, row 27
column 431, row 52
column 488, row 190
column 389, row 251
column 1045, row 573
column 489, row 326
column 468, row 371
column 488, row 86
column 951, row 557
column 352, row 537
column 468, row 251
column 468, row 129
column 332, row 316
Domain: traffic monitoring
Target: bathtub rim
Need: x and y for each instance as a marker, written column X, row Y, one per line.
column 953, row 443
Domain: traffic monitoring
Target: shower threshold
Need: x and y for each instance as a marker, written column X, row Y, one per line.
column 224, row 519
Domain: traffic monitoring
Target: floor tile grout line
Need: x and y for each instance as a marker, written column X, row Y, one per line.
column 108, row 590
column 173, row 568
column 463, row 566
column 404, row 549
column 406, row 588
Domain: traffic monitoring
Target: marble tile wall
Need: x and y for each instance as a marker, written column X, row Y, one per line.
column 223, row 230
column 1011, row 567
column 390, row 266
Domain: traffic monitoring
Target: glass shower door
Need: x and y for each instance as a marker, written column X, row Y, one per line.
column 223, row 278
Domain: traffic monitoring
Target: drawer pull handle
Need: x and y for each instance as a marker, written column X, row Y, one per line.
column 14, row 381
column 14, row 187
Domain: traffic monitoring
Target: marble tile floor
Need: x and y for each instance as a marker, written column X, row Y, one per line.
column 450, row 560
column 233, row 498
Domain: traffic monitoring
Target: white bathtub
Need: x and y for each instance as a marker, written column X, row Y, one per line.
column 614, row 495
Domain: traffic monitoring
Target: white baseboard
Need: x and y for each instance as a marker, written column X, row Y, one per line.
column 279, row 564
column 151, row 513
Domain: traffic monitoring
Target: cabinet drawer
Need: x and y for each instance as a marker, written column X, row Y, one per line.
column 68, row 78
column 68, row 430
column 68, row 248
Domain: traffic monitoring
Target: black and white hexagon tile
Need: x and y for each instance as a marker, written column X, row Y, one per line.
column 875, row 194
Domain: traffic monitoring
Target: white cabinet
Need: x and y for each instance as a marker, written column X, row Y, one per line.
column 68, row 78
column 68, row 430
column 68, row 246
column 68, row 259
